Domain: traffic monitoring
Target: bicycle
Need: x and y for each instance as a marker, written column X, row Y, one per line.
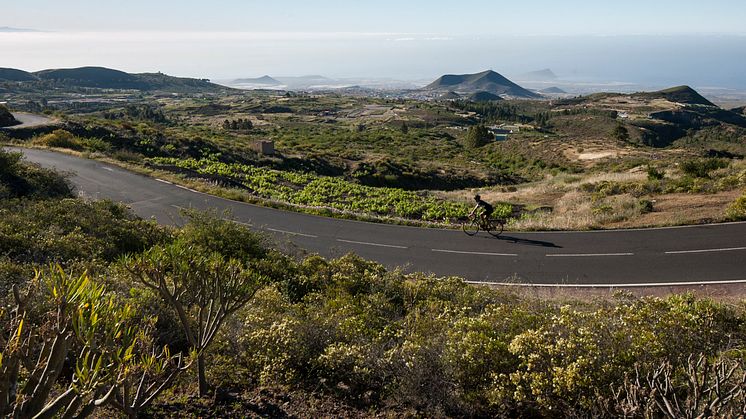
column 472, row 224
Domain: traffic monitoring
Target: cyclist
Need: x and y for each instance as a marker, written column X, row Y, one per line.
column 487, row 209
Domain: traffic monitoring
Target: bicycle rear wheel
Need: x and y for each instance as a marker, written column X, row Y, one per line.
column 495, row 227
column 470, row 227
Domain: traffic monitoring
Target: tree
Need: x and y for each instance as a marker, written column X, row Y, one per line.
column 478, row 136
column 202, row 288
column 238, row 124
column 542, row 119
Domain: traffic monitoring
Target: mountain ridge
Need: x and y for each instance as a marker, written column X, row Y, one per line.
column 265, row 79
column 107, row 78
column 14, row 74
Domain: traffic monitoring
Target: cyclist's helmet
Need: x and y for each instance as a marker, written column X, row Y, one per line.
column 477, row 197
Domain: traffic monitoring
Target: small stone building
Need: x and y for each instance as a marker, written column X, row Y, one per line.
column 266, row 147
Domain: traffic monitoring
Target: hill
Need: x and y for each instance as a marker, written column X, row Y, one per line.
column 160, row 81
column 484, row 97
column 679, row 94
column 486, row 81
column 700, row 117
column 6, row 118
column 451, row 95
column 92, row 77
column 553, row 90
column 12, row 74
column 106, row 78
column 269, row 81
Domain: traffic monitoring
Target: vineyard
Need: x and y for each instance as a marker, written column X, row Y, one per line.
column 327, row 192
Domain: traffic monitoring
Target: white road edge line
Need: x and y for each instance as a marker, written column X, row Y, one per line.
column 464, row 252
column 622, row 230
column 636, row 285
column 188, row 189
column 372, row 244
column 292, row 233
column 571, row 255
column 163, row 181
column 726, row 249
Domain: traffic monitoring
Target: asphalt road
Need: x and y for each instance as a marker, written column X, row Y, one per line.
column 666, row 256
column 30, row 120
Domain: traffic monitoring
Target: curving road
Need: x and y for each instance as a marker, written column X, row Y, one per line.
column 666, row 256
column 30, row 120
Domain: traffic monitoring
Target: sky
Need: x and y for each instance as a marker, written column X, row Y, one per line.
column 652, row 41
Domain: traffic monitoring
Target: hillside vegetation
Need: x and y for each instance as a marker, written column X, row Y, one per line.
column 606, row 160
column 12, row 74
column 105, row 78
column 124, row 299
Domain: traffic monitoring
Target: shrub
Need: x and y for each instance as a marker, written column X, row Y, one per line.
column 95, row 144
column 646, row 206
column 477, row 136
column 215, row 234
column 81, row 350
column 573, row 359
column 127, row 156
column 67, row 230
column 654, row 173
column 620, row 133
column 61, row 139
column 737, row 210
column 19, row 180
column 701, row 168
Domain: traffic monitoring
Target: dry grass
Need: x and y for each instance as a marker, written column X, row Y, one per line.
column 682, row 208
column 631, row 176
column 532, row 195
column 597, row 155
column 575, row 209
column 578, row 211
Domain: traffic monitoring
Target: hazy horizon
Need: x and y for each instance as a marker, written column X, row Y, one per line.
column 660, row 44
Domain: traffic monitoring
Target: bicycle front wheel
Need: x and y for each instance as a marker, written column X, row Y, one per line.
column 470, row 227
column 495, row 227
